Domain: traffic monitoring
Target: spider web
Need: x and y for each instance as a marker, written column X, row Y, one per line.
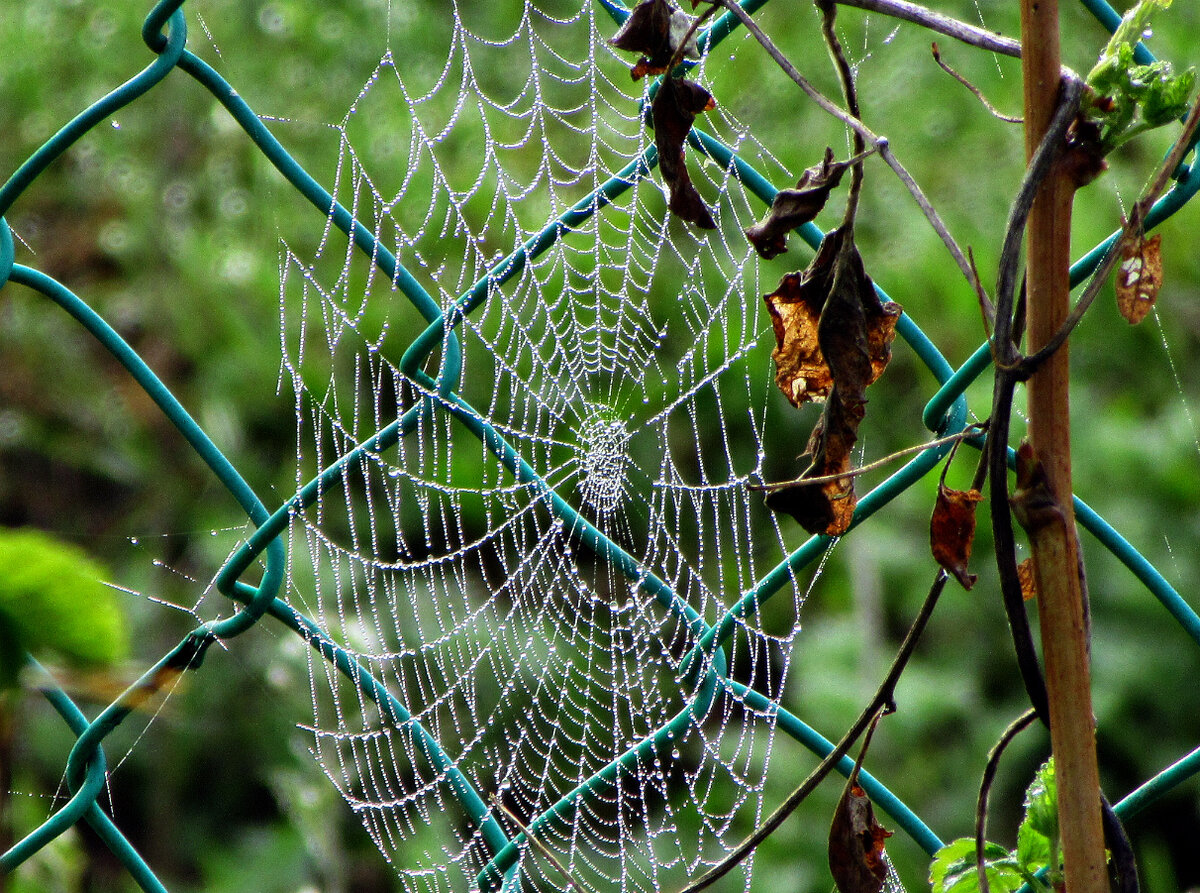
column 528, row 569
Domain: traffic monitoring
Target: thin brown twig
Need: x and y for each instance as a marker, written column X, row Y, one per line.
column 846, row 76
column 996, row 113
column 697, row 21
column 985, row 786
column 970, row 431
column 1062, row 595
column 884, row 698
column 986, row 308
column 537, row 844
column 1005, row 357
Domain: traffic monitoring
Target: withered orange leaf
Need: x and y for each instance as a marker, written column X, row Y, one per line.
column 795, row 207
column 952, row 531
column 655, row 28
column 833, row 338
column 800, row 369
column 1139, row 277
column 674, row 110
column 856, row 858
column 797, row 309
column 1027, row 579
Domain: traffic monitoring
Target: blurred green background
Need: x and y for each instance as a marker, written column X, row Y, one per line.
column 168, row 223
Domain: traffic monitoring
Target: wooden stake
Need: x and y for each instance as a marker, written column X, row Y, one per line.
column 1060, row 591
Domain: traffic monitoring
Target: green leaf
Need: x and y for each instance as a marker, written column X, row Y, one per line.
column 54, row 603
column 1121, row 88
column 1033, row 848
column 954, row 871
column 1041, row 802
column 1113, row 74
column 1167, row 98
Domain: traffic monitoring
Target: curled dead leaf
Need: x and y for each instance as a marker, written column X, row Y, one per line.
column 1139, row 277
column 857, row 325
column 795, row 207
column 674, row 111
column 952, row 531
column 800, row 369
column 1027, row 579
column 826, row 507
column 856, row 854
column 833, row 338
column 655, row 28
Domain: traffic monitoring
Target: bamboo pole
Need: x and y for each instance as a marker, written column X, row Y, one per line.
column 1061, row 608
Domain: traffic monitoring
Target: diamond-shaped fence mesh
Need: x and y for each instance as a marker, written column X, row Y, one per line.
column 549, row 618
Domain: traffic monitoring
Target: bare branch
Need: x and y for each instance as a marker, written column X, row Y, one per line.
column 1071, row 93
column 846, row 75
column 697, row 21
column 996, row 113
column 537, row 844
column 935, row 21
column 970, row 431
column 989, row 775
column 871, row 138
column 884, row 698
column 1132, row 228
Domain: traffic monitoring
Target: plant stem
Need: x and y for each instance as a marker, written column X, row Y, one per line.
column 884, row 700
column 1061, row 607
column 878, row 143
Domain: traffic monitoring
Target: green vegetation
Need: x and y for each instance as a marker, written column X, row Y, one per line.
column 1035, row 861
column 54, row 604
column 1125, row 90
column 169, row 223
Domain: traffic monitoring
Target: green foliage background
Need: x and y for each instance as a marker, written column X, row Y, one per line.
column 168, row 223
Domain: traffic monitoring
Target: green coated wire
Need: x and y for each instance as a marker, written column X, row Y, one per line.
column 7, row 251
column 224, row 470
column 71, row 132
column 945, row 412
column 104, row 826
column 907, row 820
column 395, row 715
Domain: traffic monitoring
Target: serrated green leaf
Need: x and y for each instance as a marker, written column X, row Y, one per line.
column 954, row 870
column 1121, row 88
column 54, row 603
column 1033, row 848
column 1167, row 98
column 1041, row 802
column 1144, row 78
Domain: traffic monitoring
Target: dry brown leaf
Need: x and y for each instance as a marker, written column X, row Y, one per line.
column 656, row 28
column 856, row 856
column 674, row 111
column 952, row 531
column 858, row 326
column 833, row 338
column 827, row 507
column 795, row 207
column 1027, row 579
column 800, row 369
column 1139, row 277
column 647, row 31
